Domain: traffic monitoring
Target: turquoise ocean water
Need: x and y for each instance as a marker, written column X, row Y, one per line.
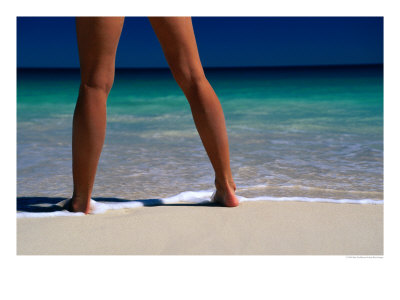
column 308, row 133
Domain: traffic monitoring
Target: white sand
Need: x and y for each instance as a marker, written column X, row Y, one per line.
column 261, row 227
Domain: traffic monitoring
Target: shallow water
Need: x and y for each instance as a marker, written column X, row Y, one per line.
column 313, row 133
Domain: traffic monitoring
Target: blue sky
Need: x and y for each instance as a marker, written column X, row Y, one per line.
column 50, row 42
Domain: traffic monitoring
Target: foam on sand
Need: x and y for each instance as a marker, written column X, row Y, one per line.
column 196, row 197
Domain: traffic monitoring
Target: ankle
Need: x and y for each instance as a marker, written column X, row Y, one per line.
column 226, row 185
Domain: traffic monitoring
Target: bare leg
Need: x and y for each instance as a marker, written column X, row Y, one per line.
column 178, row 42
column 97, row 42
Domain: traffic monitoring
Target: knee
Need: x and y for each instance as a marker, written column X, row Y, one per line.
column 189, row 78
column 99, row 82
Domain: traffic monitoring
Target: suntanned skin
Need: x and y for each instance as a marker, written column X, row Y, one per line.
column 98, row 39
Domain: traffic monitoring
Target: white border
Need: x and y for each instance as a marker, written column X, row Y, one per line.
column 251, row 277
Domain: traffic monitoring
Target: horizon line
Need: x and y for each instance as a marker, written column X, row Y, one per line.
column 221, row 67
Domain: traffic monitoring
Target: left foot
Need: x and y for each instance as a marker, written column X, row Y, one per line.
column 77, row 205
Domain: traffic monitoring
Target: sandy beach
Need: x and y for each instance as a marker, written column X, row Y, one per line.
column 253, row 228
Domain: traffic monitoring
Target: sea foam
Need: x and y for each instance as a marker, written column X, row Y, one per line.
column 195, row 197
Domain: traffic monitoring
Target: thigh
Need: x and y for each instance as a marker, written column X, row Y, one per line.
column 178, row 42
column 98, row 39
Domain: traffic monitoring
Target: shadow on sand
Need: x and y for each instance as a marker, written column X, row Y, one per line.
column 49, row 204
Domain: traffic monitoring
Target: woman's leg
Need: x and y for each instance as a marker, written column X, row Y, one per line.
column 178, row 42
column 97, row 43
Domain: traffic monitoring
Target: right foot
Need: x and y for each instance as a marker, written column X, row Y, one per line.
column 225, row 195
